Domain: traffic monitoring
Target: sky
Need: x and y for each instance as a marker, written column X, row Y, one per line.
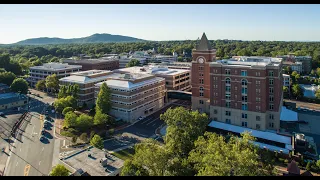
column 161, row 22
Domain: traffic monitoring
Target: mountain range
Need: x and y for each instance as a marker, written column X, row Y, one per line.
column 95, row 38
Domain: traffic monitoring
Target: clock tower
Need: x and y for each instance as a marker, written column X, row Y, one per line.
column 202, row 55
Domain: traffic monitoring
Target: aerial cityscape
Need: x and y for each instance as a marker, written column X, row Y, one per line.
column 159, row 90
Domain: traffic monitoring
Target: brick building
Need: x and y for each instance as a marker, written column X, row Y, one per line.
column 95, row 64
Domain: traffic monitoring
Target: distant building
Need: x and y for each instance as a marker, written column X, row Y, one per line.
column 11, row 100
column 4, row 88
column 164, row 58
column 134, row 95
column 286, row 80
column 92, row 162
column 86, row 81
column 98, row 64
column 301, row 64
column 60, row 69
column 176, row 79
column 174, row 65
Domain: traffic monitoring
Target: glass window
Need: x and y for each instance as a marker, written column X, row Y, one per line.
column 257, row 82
column 244, row 82
column 215, row 111
column 228, row 104
column 257, row 126
column 244, row 124
column 243, row 73
column 201, row 93
column 228, row 89
column 200, row 101
column 271, row 116
column 228, row 81
column 271, row 90
column 244, row 116
column 244, row 106
column 257, row 118
column 270, row 81
column 228, row 113
column 244, row 90
column 270, row 106
column 271, row 73
column 271, row 124
column 244, row 98
column 228, row 121
column 201, row 88
column 228, row 96
column 271, row 98
column 227, row 71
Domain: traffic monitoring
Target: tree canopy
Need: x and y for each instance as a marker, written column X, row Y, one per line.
column 52, row 82
column 7, row 78
column 41, row 84
column 133, row 62
column 97, row 141
column 59, row 170
column 103, row 102
column 19, row 85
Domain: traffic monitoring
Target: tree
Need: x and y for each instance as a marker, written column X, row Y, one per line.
column 66, row 110
column 297, row 77
column 52, row 82
column 70, row 90
column 318, row 72
column 84, row 121
column 70, row 120
column 7, row 78
column 100, row 118
column 317, row 94
column 14, row 67
column 133, row 62
column 294, row 73
column 285, row 89
column 313, row 73
column 74, row 139
column 308, row 167
column 41, row 85
column 183, row 128
column 62, row 103
column 103, row 102
column 213, row 155
column 92, row 133
column 59, row 170
column 19, row 85
column 97, row 142
column 84, row 137
column 4, row 60
column 297, row 91
column 132, row 169
column 318, row 164
column 180, row 59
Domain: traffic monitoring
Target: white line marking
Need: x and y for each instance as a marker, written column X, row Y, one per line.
column 64, row 142
column 42, row 149
column 39, row 163
column 20, row 149
column 152, row 121
column 32, row 130
column 17, row 164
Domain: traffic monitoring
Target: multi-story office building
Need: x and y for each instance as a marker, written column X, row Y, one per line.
column 95, row 64
column 60, row 69
column 295, row 66
column 86, row 81
column 306, row 63
column 245, row 92
column 176, row 79
column 134, row 95
column 301, row 64
column 175, row 65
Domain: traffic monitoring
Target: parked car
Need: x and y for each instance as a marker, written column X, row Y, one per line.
column 42, row 138
column 1, row 114
column 140, row 118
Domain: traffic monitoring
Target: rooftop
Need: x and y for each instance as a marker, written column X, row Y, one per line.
column 129, row 80
column 250, row 61
column 92, row 164
column 285, row 75
column 288, row 115
column 84, row 77
column 153, row 69
column 55, row 66
column 89, row 61
column 7, row 98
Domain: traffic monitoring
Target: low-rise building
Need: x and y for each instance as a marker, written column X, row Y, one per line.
column 11, row 100
column 174, row 65
column 176, row 79
column 92, row 162
column 60, row 69
column 86, row 81
column 295, row 61
column 286, row 80
column 4, row 88
column 134, row 95
column 295, row 66
column 164, row 58
column 98, row 64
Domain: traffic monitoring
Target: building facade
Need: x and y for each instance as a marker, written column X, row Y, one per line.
column 11, row 100
column 176, row 79
column 301, row 64
column 134, row 95
column 95, row 64
column 86, row 81
column 60, row 69
column 286, row 80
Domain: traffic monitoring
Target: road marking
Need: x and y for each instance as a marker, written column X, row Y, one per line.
column 20, row 149
column 64, row 142
column 26, row 170
column 33, row 129
column 42, row 149
column 39, row 163
column 17, row 163
column 152, row 121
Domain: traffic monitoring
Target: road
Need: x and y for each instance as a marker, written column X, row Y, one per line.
column 29, row 156
column 144, row 128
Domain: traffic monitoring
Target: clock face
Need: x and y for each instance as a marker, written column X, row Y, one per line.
column 200, row 60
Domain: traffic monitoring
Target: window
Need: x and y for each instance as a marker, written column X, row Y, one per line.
column 227, row 71
column 200, row 101
column 200, row 68
column 201, row 94
column 215, row 111
column 271, row 98
column 228, row 113
column 244, row 116
column 244, row 124
column 257, row 126
column 257, row 118
column 236, row 88
column 201, row 88
column 201, row 81
column 271, row 117
column 228, row 81
column 167, row 82
column 244, row 106
column 228, row 104
column 244, row 82
column 258, row 99
column 270, row 81
column 201, row 74
column 271, row 90
column 244, row 98
column 228, row 121
column 243, row 73
column 244, row 90
column 228, row 96
column 257, row 73
column 271, row 124
column 257, row 82
column 271, row 73
column 215, row 119
column 270, row 106
column 228, row 89
column 258, row 108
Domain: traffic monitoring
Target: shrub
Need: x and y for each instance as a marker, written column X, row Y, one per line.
column 66, row 110
column 92, row 133
column 73, row 131
column 84, row 137
column 281, row 160
column 308, row 167
column 67, row 134
column 74, row 139
column 111, row 132
column 286, row 161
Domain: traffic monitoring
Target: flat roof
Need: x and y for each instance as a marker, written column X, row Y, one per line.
column 6, row 98
column 55, row 66
column 92, row 165
column 249, row 61
column 89, row 76
column 156, row 70
column 259, row 134
column 89, row 61
column 288, row 115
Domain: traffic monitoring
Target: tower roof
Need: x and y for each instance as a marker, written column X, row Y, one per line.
column 204, row 43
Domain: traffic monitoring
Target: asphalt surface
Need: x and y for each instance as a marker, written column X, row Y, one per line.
column 144, row 128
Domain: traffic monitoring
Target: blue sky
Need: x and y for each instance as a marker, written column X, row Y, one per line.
column 162, row 22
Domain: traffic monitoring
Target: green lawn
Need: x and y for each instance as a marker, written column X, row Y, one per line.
column 124, row 154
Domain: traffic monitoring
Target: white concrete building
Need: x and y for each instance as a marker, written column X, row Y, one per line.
column 60, row 69
column 134, row 95
column 286, row 80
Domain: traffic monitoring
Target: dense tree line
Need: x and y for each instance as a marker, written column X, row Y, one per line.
column 22, row 57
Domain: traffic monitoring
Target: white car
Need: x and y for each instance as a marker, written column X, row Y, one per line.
column 140, row 118
column 1, row 113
